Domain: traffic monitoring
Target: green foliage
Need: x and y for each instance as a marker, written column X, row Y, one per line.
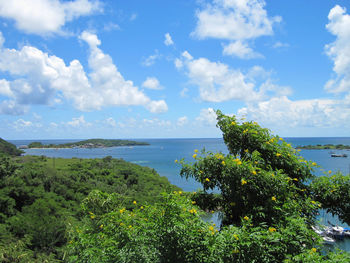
column 333, row 192
column 91, row 143
column 40, row 196
column 9, row 148
column 324, row 147
column 263, row 177
column 36, row 145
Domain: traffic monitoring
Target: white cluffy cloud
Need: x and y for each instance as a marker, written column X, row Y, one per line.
column 207, row 117
column 39, row 78
column 45, row 16
column 168, row 41
column 152, row 83
column 339, row 50
column 237, row 21
column 218, row 82
column 283, row 112
column 241, row 50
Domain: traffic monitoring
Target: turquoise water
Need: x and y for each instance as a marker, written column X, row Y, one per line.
column 161, row 154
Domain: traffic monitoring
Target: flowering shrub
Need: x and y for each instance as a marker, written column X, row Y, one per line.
column 265, row 198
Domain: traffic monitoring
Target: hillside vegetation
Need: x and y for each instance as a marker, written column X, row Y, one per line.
column 40, row 198
column 9, row 148
column 324, row 147
column 91, row 143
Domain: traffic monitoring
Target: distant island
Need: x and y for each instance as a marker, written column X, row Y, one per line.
column 91, row 143
column 324, row 147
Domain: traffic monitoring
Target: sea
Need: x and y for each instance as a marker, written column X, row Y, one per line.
column 161, row 154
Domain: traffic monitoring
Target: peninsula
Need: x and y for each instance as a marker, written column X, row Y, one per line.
column 91, row 143
column 324, row 147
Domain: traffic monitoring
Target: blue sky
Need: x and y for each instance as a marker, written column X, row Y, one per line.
column 158, row 69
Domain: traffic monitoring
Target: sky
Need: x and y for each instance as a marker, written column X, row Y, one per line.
column 83, row 69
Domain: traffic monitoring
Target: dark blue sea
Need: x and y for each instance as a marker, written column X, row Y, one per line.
column 162, row 153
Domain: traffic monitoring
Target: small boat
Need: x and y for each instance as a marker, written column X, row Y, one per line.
column 328, row 240
column 339, row 155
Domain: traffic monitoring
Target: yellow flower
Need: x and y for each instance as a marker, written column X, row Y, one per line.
column 207, row 179
column 193, row 211
column 211, row 228
column 180, row 192
column 193, row 202
column 239, row 163
column 273, row 198
column 141, row 207
column 295, row 179
column 243, row 182
column 313, row 202
column 130, row 226
column 195, row 150
column 314, row 164
column 313, row 250
column 246, row 150
column 223, row 163
column 272, row 229
column 101, row 226
column 194, row 156
column 329, row 171
column 176, row 161
column 254, row 172
column 236, row 237
column 134, row 202
column 246, row 218
column 233, row 123
column 278, row 154
column 281, row 139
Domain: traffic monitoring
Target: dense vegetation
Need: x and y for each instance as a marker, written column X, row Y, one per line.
column 91, row 143
column 266, row 201
column 9, row 148
column 324, row 147
column 40, row 198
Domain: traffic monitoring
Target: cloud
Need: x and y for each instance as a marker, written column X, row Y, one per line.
column 110, row 122
column 283, row 112
column 133, row 16
column 218, row 82
column 149, row 61
column 183, row 92
column 241, row 50
column 182, row 121
column 234, row 20
column 10, row 107
column 339, row 50
column 45, row 16
column 78, row 122
column 159, row 106
column 207, row 117
column 111, row 27
column 43, row 79
column 168, row 41
column 152, row 83
column 279, row 44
